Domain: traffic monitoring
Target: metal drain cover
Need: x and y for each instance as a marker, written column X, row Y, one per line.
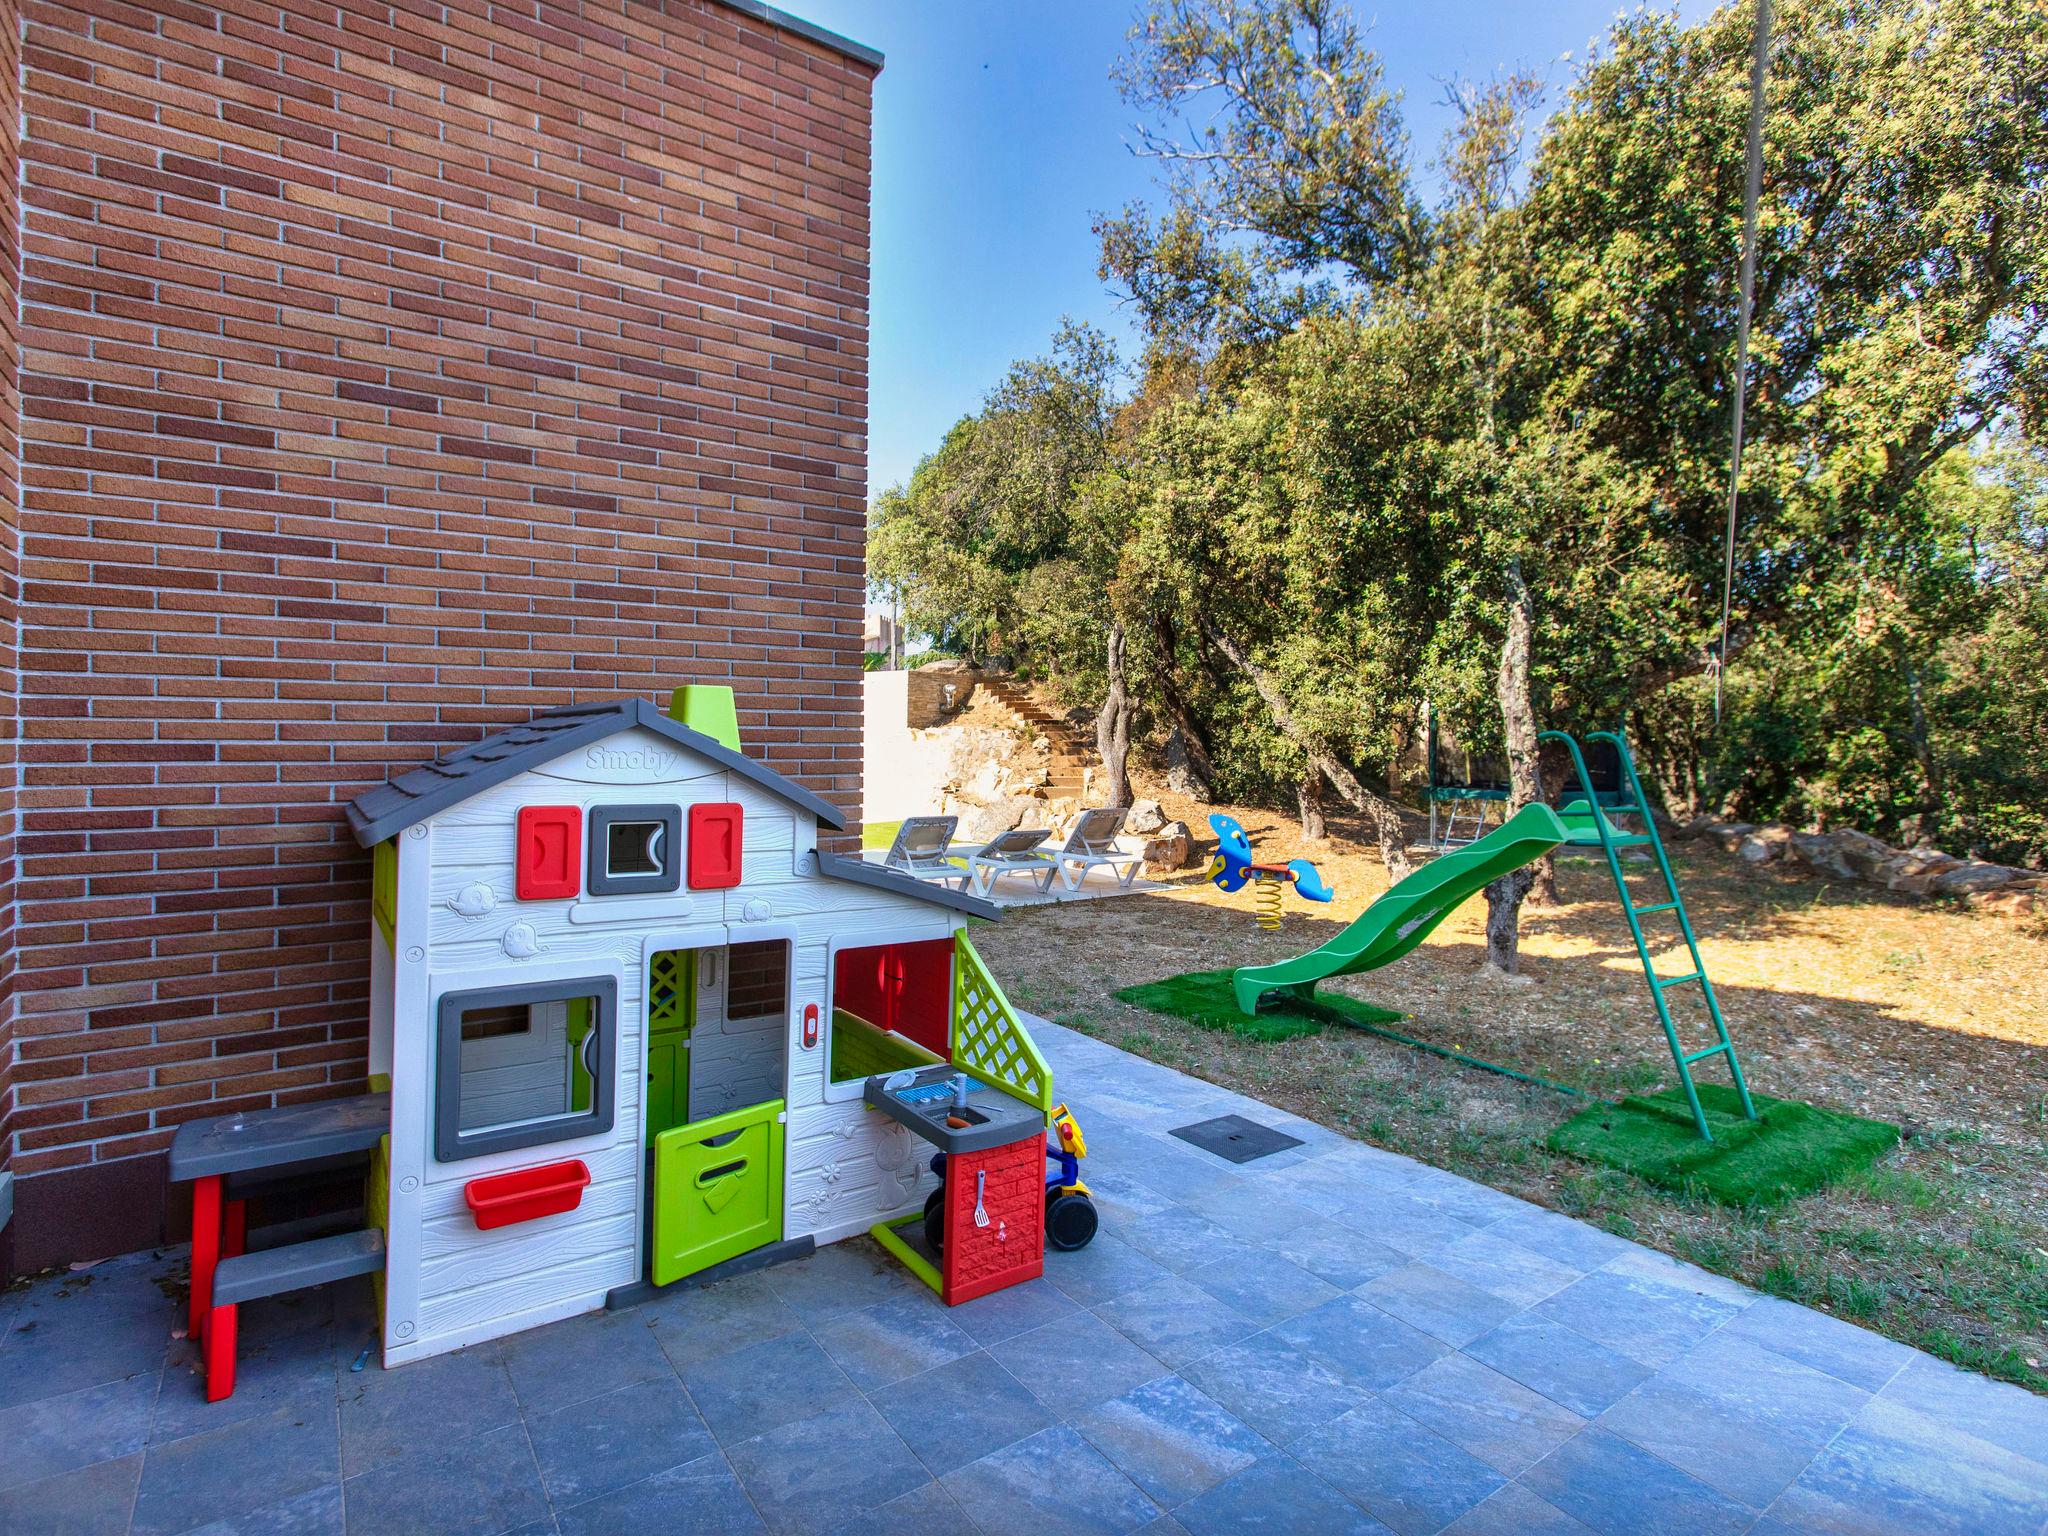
column 1237, row 1139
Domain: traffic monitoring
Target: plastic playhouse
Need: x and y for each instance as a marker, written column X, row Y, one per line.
column 628, row 1023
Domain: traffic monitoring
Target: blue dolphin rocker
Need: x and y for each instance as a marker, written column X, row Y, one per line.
column 1232, row 869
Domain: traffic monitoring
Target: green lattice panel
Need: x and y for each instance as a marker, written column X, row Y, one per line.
column 988, row 1038
column 668, row 990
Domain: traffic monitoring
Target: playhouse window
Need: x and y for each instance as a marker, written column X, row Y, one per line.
column 519, row 1066
column 892, row 1007
column 635, row 849
column 757, row 980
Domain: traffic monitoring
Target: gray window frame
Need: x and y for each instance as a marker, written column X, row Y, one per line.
column 598, row 879
column 452, row 1144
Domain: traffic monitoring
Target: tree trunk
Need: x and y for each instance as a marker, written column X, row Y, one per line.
column 1385, row 817
column 1928, row 820
column 1194, row 754
column 1113, row 726
column 1525, row 770
column 1308, row 795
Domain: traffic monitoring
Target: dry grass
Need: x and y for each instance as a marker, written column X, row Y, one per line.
column 1927, row 1015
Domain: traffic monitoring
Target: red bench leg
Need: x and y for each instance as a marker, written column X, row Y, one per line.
column 206, row 1223
column 235, row 1240
column 220, row 1353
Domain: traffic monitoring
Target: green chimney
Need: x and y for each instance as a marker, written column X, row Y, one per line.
column 708, row 709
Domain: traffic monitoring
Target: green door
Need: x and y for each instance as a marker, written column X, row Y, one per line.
column 717, row 1190
column 671, row 1015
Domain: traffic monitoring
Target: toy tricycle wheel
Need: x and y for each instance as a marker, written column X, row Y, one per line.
column 935, row 1219
column 1070, row 1221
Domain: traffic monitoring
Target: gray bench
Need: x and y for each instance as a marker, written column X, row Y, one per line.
column 274, row 1272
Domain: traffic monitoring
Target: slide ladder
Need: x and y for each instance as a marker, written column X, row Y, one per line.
column 1589, row 824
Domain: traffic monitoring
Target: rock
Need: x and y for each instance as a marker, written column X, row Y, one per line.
column 1729, row 834
column 1972, row 877
column 1181, row 776
column 1041, row 743
column 2012, row 900
column 1146, row 817
column 979, row 823
column 1699, row 826
column 1764, row 845
column 1172, row 849
column 1915, row 871
column 1819, row 852
column 1863, row 853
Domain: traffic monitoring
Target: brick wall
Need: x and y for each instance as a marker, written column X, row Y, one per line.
column 388, row 372
column 10, row 559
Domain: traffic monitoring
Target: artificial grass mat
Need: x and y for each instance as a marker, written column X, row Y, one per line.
column 1204, row 997
column 1792, row 1149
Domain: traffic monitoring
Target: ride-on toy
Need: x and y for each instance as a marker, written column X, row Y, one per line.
column 1070, row 1218
column 1232, row 869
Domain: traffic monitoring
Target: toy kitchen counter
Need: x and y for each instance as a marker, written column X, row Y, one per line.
column 987, row 1220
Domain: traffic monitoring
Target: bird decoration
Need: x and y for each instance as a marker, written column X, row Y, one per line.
column 1233, row 868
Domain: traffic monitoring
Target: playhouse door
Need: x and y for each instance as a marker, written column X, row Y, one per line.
column 717, row 1190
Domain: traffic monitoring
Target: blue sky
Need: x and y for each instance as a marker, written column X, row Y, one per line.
column 998, row 135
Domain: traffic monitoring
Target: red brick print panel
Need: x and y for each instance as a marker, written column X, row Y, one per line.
column 1011, row 1248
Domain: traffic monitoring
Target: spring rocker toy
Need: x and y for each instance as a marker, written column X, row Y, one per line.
column 1232, row 868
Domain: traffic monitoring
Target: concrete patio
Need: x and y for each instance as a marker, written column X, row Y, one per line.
column 1328, row 1339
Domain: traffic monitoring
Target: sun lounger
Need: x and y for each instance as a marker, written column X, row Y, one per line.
column 1092, row 844
column 1015, row 852
column 921, row 849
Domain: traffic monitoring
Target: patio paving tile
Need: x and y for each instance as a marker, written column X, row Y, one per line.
column 1502, row 1422
column 485, row 1485
column 1781, row 1394
column 1561, row 1238
column 1855, row 1355
column 585, row 1356
column 1181, row 1239
column 1644, row 1319
column 1265, row 1288
column 94, row 1500
column 1175, row 1321
column 1052, row 1481
column 1279, row 1390
column 1400, row 1221
column 61, row 1434
column 818, row 1473
column 1424, row 1297
column 1106, row 1268
column 295, row 1371
column 50, row 1359
column 1564, row 1366
column 754, row 1390
column 961, row 1411
column 1276, row 1495
column 318, row 1513
column 1714, row 1441
column 1619, row 1489
column 840, row 1277
column 700, row 1498
column 1336, row 1253
column 1075, row 1363
column 2007, row 1416
column 429, row 1405
column 1249, row 1210
column 1413, row 1482
column 702, row 1322
column 1518, row 1275
column 1003, row 1314
column 1171, row 1439
column 926, row 1511
column 238, row 1467
column 1515, row 1511
column 1361, row 1343
column 892, row 1339
column 604, row 1443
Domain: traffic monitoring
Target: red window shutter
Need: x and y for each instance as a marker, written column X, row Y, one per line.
column 715, row 838
column 550, row 863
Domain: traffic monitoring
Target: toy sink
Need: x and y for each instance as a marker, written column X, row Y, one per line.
column 994, row 1118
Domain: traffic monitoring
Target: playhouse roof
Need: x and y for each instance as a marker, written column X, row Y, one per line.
column 433, row 787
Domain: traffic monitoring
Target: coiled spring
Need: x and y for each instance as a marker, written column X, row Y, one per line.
column 1268, row 894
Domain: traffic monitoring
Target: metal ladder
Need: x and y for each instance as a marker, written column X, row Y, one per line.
column 1590, row 826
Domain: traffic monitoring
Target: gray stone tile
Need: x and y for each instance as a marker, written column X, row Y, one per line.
column 1018, row 1309
column 604, row 1443
column 1518, row 1275
column 239, row 1467
column 1619, row 1489
column 293, row 1369
column 585, row 1356
column 1763, row 1385
column 1515, row 1511
column 1181, row 1239
column 1174, row 1321
column 840, row 1277
column 1500, row 1421
column 1632, row 1315
column 1265, row 1288
column 1251, row 1211
column 1165, row 1525
column 477, row 1488
column 818, row 1473
column 1442, row 1305
column 926, row 1511
column 1895, row 1472
column 1337, row 1253
column 1361, row 1343
column 1413, row 1482
column 2006, row 1416
column 1855, row 1355
column 1123, row 1197
column 701, row 1322
column 318, row 1513
column 1564, row 1366
column 1171, row 1439
column 754, row 1390
column 1076, row 1362
column 61, row 1434
column 1479, row 1204
column 1181, row 1176
column 1415, row 1227
column 427, row 1406
column 1279, row 1390
column 93, row 1500
column 892, row 1339
column 1652, row 1265
column 1052, row 1481
column 52, row 1358
column 961, row 1411
column 1106, row 1268
column 1568, row 1241
column 699, row 1498
column 1276, row 1494
column 1711, row 1439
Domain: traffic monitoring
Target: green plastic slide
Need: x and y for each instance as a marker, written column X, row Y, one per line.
column 1406, row 915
